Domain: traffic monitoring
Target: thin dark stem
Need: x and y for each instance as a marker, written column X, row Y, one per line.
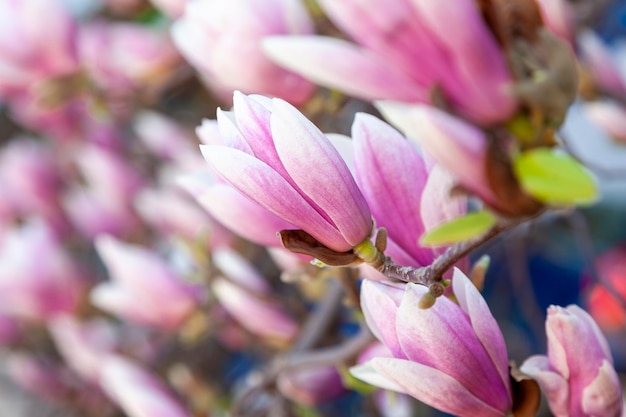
column 433, row 273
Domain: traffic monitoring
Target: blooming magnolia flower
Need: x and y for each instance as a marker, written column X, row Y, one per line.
column 406, row 196
column 577, row 375
column 144, row 289
column 388, row 60
column 138, row 392
column 222, row 40
column 279, row 159
column 450, row 356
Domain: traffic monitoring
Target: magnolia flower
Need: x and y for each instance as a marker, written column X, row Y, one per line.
column 144, row 288
column 462, row 149
column 577, row 375
column 450, row 356
column 259, row 316
column 138, row 392
column 280, row 160
column 222, row 40
column 122, row 56
column 406, row 196
column 403, row 51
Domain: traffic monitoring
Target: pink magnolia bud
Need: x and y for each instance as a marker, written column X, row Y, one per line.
column 83, row 345
column 311, row 386
column 38, row 376
column 36, row 290
column 174, row 214
column 144, row 289
column 577, row 375
column 125, row 56
column 261, row 317
column 388, row 60
column 163, row 136
column 472, row 369
column 280, row 160
column 37, row 43
column 222, row 40
column 395, row 180
column 136, row 391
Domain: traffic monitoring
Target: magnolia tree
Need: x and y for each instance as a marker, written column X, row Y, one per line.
column 398, row 208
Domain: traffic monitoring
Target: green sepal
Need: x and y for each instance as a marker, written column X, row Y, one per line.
column 460, row 229
column 554, row 177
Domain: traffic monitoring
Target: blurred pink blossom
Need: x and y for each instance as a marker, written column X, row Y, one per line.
column 42, row 289
column 143, row 288
column 83, row 345
column 137, row 391
column 222, row 40
column 262, row 317
column 37, row 43
column 609, row 116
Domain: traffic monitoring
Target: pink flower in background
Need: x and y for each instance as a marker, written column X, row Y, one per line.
column 137, row 391
column 83, row 345
column 405, row 195
column 457, row 348
column 222, row 40
column 37, row 43
column 603, row 62
column 458, row 146
column 608, row 115
column 143, row 289
column 280, row 160
column 577, row 375
column 262, row 317
column 402, row 51
column 38, row 279
column 125, row 58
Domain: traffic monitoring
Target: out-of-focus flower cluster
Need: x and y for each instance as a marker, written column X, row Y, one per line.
column 279, row 207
